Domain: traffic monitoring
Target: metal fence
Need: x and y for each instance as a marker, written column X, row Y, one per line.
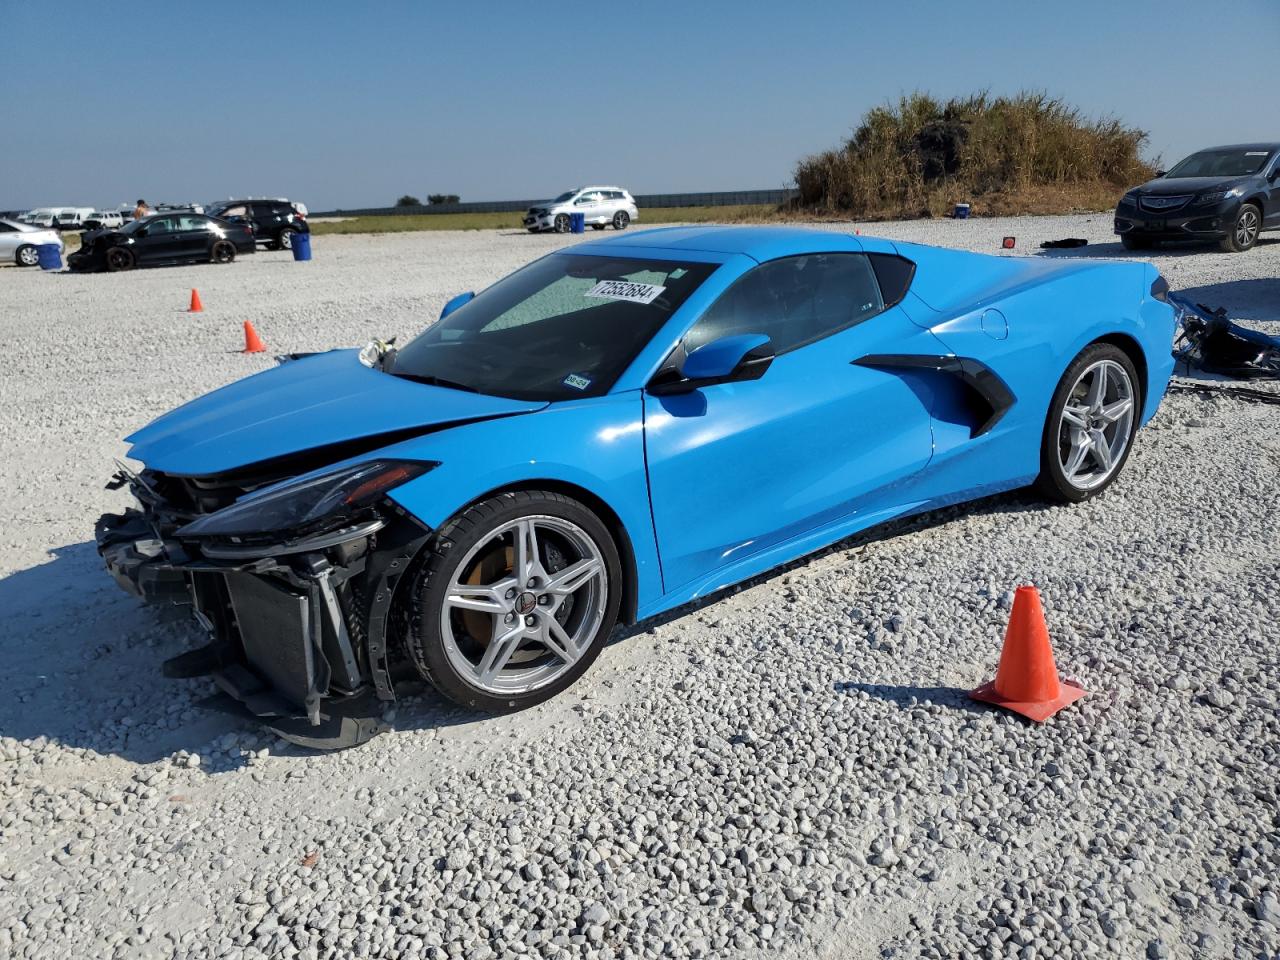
column 721, row 198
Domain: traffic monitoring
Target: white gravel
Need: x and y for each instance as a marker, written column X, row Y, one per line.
column 792, row 770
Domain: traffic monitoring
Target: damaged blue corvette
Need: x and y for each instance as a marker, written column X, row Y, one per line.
column 614, row 430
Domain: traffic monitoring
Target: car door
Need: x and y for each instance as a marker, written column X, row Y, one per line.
column 158, row 244
column 588, row 204
column 8, row 241
column 738, row 468
column 266, row 223
column 192, row 237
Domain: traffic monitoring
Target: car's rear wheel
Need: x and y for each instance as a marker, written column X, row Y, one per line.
column 1132, row 242
column 286, row 238
column 224, row 251
column 1092, row 421
column 515, row 599
column 120, row 258
column 621, row 219
column 27, row 256
column 1244, row 230
column 562, row 223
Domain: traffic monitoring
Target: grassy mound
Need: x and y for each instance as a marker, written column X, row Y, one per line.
column 1030, row 153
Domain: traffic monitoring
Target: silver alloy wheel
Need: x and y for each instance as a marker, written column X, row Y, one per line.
column 1247, row 226
column 286, row 239
column 621, row 219
column 562, row 223
column 1096, row 424
column 29, row 256
column 543, row 608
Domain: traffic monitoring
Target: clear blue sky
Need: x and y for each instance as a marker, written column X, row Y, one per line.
column 352, row 104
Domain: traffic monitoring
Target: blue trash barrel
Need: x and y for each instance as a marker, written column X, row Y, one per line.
column 50, row 256
column 301, row 246
column 577, row 223
column 961, row 212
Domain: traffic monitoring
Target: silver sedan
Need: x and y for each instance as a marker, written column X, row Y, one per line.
column 19, row 242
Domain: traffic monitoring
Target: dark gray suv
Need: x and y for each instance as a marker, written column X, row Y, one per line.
column 1223, row 194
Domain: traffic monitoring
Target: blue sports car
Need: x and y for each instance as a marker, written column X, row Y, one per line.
column 614, row 430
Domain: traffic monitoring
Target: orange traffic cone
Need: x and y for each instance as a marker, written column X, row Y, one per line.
column 252, row 342
column 196, row 305
column 1027, row 681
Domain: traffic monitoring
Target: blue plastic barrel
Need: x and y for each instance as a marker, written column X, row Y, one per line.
column 577, row 223
column 301, row 246
column 961, row 211
column 50, row 256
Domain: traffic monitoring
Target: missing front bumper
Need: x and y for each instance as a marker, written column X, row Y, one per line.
column 298, row 632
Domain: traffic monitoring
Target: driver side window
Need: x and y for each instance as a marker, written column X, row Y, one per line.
column 793, row 301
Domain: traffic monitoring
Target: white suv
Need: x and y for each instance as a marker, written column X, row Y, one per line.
column 599, row 206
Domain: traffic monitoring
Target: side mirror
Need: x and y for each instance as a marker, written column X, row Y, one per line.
column 1161, row 173
column 744, row 356
column 458, row 301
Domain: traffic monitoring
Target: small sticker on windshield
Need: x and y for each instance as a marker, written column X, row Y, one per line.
column 626, row 290
column 577, row 380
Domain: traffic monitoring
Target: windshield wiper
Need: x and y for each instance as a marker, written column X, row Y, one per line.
column 436, row 382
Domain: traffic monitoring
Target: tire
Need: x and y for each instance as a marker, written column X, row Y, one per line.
column 285, row 240
column 1131, row 242
column 1088, row 434
column 120, row 258
column 562, row 223
column 621, row 219
column 224, row 251
column 27, row 256
column 1244, row 230
column 470, row 565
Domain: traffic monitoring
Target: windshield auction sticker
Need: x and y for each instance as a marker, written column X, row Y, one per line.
column 625, row 290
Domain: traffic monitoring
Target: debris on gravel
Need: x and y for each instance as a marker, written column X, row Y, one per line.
column 791, row 769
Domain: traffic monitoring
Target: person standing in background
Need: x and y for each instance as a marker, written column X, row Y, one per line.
column 141, row 210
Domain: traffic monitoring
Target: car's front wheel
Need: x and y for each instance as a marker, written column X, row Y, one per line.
column 621, row 219
column 27, row 256
column 1244, row 230
column 1092, row 421
column 120, row 258
column 562, row 223
column 515, row 599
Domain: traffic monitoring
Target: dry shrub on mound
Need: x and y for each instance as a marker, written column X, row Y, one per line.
column 1030, row 153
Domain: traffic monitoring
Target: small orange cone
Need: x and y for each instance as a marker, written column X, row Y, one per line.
column 196, row 305
column 1027, row 681
column 252, row 342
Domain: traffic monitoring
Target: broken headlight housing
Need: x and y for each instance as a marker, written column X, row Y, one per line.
column 303, row 504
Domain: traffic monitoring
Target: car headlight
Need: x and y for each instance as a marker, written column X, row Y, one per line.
column 1217, row 196
column 295, row 505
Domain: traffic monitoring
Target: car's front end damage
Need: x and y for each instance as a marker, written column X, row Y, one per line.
column 293, row 580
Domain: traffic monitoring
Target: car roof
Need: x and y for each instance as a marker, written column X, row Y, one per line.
column 1240, row 146
column 759, row 243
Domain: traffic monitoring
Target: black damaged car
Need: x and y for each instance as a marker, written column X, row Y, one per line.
column 165, row 238
column 1227, row 195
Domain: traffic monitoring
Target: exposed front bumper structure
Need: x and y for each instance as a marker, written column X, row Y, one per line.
column 298, row 629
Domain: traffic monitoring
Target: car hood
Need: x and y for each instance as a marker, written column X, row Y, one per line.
column 1164, row 187
column 317, row 401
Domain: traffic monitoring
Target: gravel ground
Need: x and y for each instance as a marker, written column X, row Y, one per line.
column 790, row 770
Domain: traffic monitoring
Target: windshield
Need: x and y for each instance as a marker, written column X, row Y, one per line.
column 565, row 326
column 133, row 226
column 1221, row 163
column 564, row 197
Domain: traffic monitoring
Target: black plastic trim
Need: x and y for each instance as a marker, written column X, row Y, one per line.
column 983, row 382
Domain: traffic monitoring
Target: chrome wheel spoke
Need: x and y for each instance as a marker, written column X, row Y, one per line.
column 527, row 564
column 1101, row 448
column 1078, row 417
column 483, row 599
column 555, row 639
column 1114, row 411
column 1097, row 388
column 573, row 577
column 505, row 640
column 1080, row 448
